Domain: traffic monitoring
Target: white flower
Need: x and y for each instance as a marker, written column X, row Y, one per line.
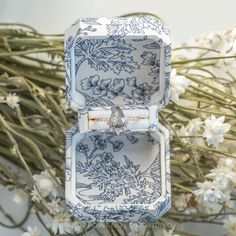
column 35, row 197
column 181, row 201
column 19, row 197
column 209, row 208
column 192, row 129
column 225, row 172
column 12, row 100
column 61, row 224
column 194, row 126
column 32, row 231
column 215, row 128
column 178, row 85
column 76, row 227
column 185, row 202
column 227, row 162
column 54, row 206
column 230, row 225
column 209, row 192
column 45, row 184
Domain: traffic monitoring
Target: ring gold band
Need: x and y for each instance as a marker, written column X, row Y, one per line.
column 103, row 119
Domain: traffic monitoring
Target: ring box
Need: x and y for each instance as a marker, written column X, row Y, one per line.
column 118, row 62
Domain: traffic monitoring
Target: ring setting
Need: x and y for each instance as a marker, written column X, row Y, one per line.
column 117, row 120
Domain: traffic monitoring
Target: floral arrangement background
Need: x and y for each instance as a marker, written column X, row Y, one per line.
column 201, row 118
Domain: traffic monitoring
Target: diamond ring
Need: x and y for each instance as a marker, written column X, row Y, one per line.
column 117, row 119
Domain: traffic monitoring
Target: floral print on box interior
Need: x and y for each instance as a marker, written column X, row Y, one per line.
column 118, row 178
column 121, row 61
column 120, row 70
column 109, row 171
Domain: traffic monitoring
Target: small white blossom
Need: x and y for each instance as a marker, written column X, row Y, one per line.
column 61, row 224
column 184, row 202
column 208, row 208
column 178, row 85
column 181, row 201
column 215, row 128
column 45, row 184
column 12, row 100
column 54, row 206
column 209, row 192
column 194, row 126
column 32, row 231
column 225, row 172
column 35, row 197
column 76, row 227
column 230, row 225
column 227, row 162
column 19, row 197
column 191, row 129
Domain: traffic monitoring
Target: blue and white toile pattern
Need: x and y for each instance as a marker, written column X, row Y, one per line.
column 107, row 181
column 117, row 61
column 124, row 62
column 109, row 171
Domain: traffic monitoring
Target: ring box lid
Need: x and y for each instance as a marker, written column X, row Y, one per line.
column 117, row 62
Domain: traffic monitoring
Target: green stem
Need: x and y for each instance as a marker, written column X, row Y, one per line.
column 201, row 59
column 182, row 187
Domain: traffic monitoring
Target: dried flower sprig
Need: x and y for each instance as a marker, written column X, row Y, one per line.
column 201, row 119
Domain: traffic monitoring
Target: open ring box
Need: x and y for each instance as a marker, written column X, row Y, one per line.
column 125, row 63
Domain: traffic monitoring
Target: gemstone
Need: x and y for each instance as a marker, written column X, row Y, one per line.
column 117, row 120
